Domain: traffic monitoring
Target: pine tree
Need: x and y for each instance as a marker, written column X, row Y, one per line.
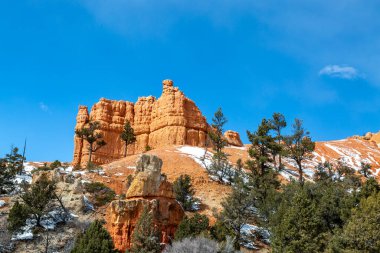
column 38, row 197
column 365, row 169
column 362, row 231
column 14, row 161
column 7, row 175
column 90, row 133
column 220, row 166
column 128, row 136
column 145, row 237
column 237, row 210
column 262, row 146
column 299, row 147
column 277, row 123
column 96, row 239
column 184, row 192
column 192, row 227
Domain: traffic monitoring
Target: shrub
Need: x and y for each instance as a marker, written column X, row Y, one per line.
column 184, row 192
column 17, row 217
column 191, row 227
column 55, row 164
column 101, row 193
column 190, row 245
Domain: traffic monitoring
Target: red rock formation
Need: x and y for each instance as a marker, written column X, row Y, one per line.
column 172, row 119
column 148, row 189
column 233, row 138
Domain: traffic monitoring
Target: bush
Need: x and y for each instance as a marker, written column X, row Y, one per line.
column 17, row 217
column 96, row 239
column 184, row 192
column 190, row 245
column 148, row 148
column 55, row 164
column 101, row 193
column 191, row 227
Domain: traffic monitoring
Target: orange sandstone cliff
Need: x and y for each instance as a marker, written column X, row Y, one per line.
column 172, row 119
column 149, row 189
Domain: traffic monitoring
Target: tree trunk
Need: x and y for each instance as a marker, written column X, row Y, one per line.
column 90, row 153
column 300, row 171
column 125, row 151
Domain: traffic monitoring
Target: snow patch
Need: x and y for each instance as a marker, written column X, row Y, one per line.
column 199, row 155
column 2, row 203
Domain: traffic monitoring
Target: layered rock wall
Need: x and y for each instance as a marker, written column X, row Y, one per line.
column 172, row 119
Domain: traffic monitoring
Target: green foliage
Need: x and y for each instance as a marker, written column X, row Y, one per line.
column 299, row 146
column 55, row 164
column 148, row 148
column 38, row 197
column 184, row 192
column 192, row 227
column 361, row 233
column 216, row 134
column 237, row 209
column 146, row 237
column 89, row 132
column 365, row 169
column 10, row 166
column 17, row 217
column 277, row 123
column 371, row 186
column 95, row 240
column 128, row 136
column 220, row 231
column 101, row 193
column 262, row 146
column 309, row 215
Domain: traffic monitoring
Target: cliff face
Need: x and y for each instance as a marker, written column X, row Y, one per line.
column 148, row 189
column 172, row 119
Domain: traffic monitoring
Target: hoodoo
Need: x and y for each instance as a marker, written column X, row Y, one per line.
column 172, row 119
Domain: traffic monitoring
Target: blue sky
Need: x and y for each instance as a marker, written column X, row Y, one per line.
column 315, row 60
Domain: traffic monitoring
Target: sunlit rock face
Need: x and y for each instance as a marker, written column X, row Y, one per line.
column 148, row 189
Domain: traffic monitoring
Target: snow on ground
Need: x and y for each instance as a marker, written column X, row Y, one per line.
column 199, row 155
column 118, row 174
column 235, row 147
column 2, row 203
column 248, row 232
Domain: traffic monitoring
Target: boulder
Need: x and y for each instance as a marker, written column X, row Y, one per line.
column 233, row 138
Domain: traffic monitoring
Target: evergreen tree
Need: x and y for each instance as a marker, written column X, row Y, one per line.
column 365, row 169
column 89, row 132
column 38, row 197
column 277, row 123
column 7, row 176
column 17, row 216
column 262, row 145
column 370, row 187
column 220, row 166
column 324, row 172
column 299, row 146
column 128, row 136
column 237, row 210
column 184, row 192
column 145, row 238
column 96, row 239
column 192, row 227
column 14, row 161
column 362, row 231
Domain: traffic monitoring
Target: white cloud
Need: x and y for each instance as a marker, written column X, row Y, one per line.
column 44, row 107
column 344, row 72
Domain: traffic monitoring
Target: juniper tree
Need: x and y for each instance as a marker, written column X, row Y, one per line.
column 95, row 239
column 14, row 161
column 192, row 227
column 128, row 136
column 277, row 123
column 17, row 216
column 299, row 147
column 184, row 192
column 89, row 132
column 145, row 237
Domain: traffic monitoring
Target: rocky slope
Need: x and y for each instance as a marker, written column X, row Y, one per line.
column 172, row 119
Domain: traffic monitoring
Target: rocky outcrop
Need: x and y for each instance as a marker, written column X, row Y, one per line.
column 233, row 138
column 172, row 119
column 148, row 189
